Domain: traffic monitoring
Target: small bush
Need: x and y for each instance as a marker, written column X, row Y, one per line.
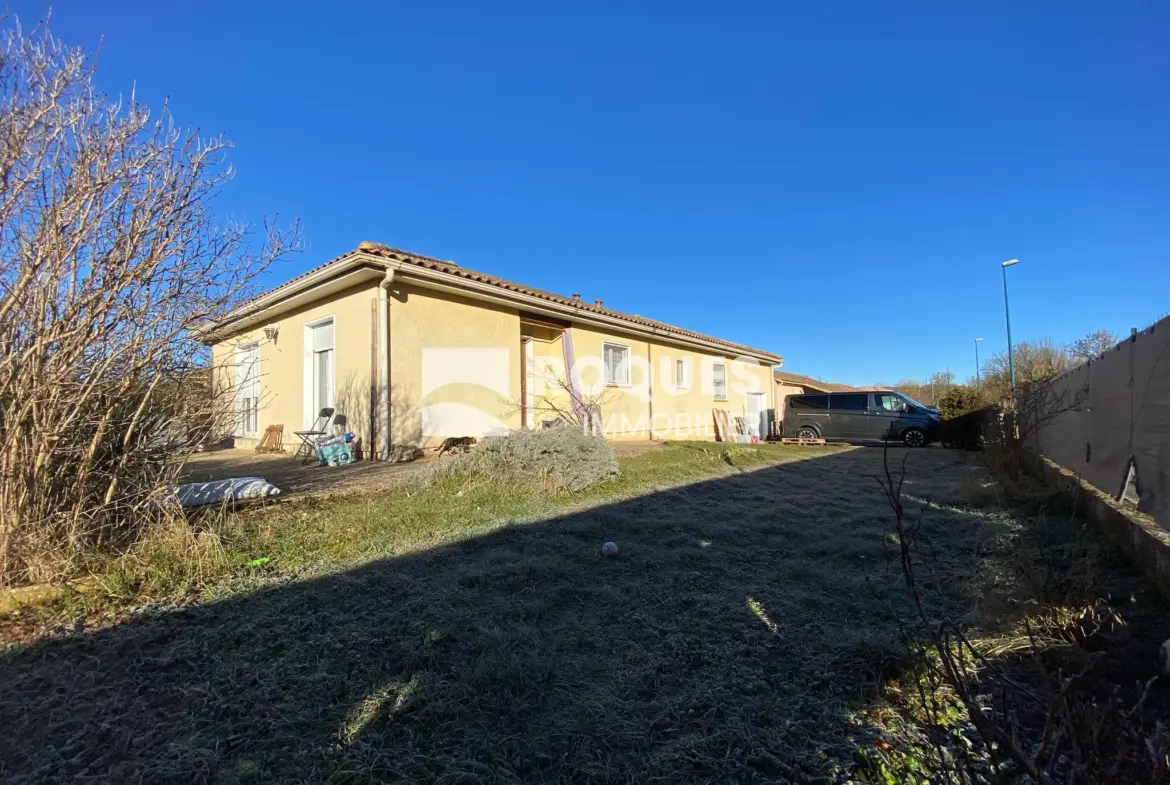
column 959, row 401
column 556, row 459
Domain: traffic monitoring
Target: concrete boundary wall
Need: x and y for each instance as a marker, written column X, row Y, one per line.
column 1145, row 542
column 1113, row 410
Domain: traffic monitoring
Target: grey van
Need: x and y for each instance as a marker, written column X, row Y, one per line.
column 860, row 416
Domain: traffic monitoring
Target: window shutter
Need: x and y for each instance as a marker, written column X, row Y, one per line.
column 719, row 379
column 323, row 337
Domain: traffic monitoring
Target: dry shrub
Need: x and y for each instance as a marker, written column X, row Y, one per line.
column 1013, row 469
column 562, row 458
column 1028, row 705
column 109, row 259
column 171, row 558
column 1110, row 743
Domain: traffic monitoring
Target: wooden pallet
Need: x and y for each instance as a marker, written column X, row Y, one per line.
column 723, row 429
column 803, row 441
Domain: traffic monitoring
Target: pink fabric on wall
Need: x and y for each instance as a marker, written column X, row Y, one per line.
column 571, row 377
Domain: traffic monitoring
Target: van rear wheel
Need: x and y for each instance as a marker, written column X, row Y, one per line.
column 913, row 437
column 807, row 433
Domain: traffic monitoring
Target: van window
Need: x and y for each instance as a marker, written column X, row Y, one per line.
column 890, row 403
column 805, row 403
column 849, row 403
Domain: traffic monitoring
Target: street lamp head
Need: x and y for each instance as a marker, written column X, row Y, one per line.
column 1010, row 262
column 977, row 340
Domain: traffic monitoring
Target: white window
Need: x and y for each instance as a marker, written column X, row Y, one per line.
column 247, row 388
column 680, row 373
column 719, row 381
column 616, row 358
column 318, row 367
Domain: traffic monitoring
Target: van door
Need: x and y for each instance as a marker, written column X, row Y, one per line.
column 848, row 414
column 888, row 416
column 810, row 411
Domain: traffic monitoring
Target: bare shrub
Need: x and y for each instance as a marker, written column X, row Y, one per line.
column 109, row 258
column 1025, row 707
column 563, row 401
column 558, row 459
column 1091, row 346
column 1034, row 361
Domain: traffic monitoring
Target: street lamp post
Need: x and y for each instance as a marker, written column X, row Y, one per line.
column 1007, row 315
column 978, row 380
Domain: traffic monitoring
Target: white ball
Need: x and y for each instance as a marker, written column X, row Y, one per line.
column 609, row 549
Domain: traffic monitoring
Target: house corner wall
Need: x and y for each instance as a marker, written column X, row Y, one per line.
column 455, row 366
column 282, row 365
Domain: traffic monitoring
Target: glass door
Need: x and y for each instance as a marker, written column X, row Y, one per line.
column 248, row 388
column 321, row 368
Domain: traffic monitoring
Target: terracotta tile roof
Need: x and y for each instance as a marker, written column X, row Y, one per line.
column 418, row 260
column 817, row 384
column 802, row 381
column 785, row 377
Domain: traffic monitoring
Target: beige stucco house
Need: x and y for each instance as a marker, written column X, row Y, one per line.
column 413, row 350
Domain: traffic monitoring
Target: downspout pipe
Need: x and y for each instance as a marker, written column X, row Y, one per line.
column 650, row 388
column 384, row 364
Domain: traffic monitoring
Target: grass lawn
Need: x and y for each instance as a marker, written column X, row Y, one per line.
column 468, row 634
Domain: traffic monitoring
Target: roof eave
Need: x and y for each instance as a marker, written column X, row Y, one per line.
column 284, row 297
column 578, row 312
column 276, row 301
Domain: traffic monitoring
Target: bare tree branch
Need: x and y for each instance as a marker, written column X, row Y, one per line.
column 109, row 256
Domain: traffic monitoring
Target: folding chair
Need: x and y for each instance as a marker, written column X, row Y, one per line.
column 308, row 448
column 272, row 440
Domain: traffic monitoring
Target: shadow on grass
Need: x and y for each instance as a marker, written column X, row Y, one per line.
column 731, row 639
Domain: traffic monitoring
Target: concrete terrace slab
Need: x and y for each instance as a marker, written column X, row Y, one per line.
column 297, row 479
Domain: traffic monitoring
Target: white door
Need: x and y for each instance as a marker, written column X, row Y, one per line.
column 319, row 370
column 247, row 388
column 756, row 414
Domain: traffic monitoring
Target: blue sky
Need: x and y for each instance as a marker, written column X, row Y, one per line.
column 836, row 182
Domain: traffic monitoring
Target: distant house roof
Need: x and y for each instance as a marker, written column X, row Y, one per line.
column 816, row 385
column 567, row 307
column 808, row 382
